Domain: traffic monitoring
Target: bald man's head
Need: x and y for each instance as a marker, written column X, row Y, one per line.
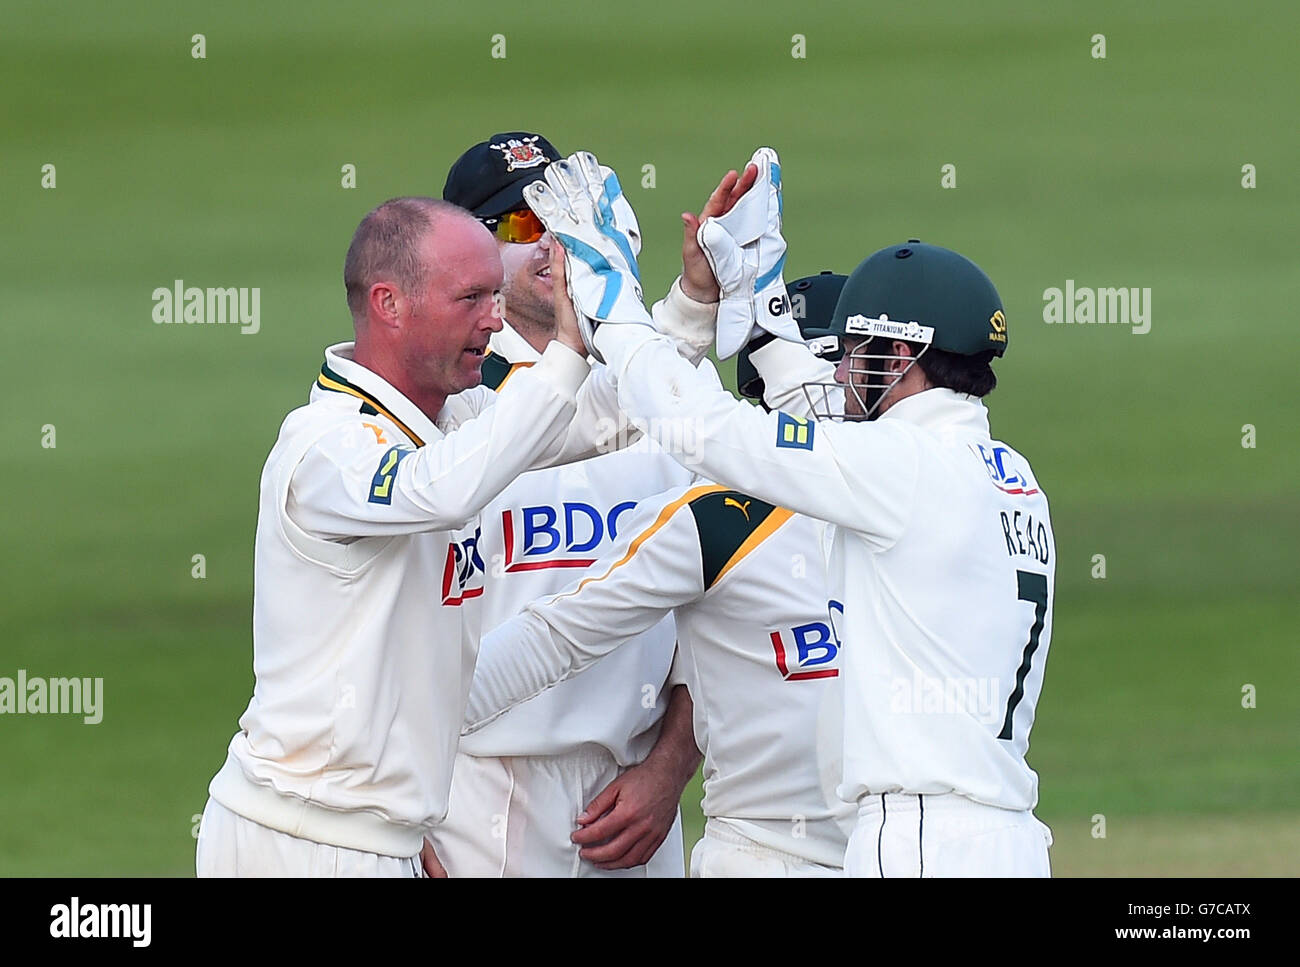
column 386, row 247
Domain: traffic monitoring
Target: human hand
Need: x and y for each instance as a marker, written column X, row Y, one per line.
column 585, row 211
column 433, row 867
column 746, row 250
column 698, row 281
column 567, row 330
column 625, row 825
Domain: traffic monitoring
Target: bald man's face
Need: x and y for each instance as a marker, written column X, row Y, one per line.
column 445, row 333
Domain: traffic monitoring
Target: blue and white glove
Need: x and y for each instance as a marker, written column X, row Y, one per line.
column 583, row 207
column 747, row 253
column 624, row 217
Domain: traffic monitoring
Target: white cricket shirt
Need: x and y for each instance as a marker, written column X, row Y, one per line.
column 364, row 565
column 756, row 648
column 942, row 554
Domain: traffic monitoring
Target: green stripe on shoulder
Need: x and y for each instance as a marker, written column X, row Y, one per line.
column 495, row 370
column 725, row 519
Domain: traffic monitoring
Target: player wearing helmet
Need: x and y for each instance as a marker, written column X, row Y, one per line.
column 941, row 551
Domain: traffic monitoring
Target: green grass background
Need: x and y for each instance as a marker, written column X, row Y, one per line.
column 226, row 171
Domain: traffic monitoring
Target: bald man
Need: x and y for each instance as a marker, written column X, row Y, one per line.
column 366, row 563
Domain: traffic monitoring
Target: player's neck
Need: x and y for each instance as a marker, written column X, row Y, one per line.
column 914, row 381
column 429, row 401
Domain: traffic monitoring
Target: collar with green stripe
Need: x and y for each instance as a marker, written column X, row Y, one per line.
column 341, row 374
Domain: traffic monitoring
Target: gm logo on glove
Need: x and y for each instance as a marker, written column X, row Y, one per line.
column 778, row 305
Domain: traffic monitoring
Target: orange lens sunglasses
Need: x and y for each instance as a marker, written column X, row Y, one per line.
column 520, row 226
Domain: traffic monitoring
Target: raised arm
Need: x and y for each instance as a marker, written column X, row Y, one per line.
column 653, row 567
column 858, row 476
column 599, row 425
column 348, row 485
column 785, row 368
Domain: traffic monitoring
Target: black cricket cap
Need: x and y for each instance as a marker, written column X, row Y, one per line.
column 489, row 178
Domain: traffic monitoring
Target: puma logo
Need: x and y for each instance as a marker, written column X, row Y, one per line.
column 733, row 502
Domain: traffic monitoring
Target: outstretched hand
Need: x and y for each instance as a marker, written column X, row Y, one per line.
column 698, row 281
column 585, row 211
column 566, row 318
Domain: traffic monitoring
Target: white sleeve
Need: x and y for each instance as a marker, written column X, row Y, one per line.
column 689, row 324
column 597, row 422
column 785, row 366
column 654, row 566
column 858, row 475
column 599, row 425
column 344, row 489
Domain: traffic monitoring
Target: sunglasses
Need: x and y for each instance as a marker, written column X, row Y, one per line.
column 520, row 226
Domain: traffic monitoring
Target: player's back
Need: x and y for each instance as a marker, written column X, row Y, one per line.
column 954, row 640
column 756, row 647
column 762, row 661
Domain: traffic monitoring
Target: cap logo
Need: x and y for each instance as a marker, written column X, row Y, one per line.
column 999, row 323
column 520, row 153
column 821, row 345
column 884, row 326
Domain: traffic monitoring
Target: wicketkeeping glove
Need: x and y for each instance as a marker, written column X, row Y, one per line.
column 747, row 253
column 583, row 207
column 621, row 208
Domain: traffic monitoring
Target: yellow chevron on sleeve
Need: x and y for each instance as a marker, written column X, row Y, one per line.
column 664, row 516
column 761, row 533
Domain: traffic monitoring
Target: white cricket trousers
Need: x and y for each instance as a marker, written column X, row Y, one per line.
column 724, row 852
column 230, row 845
column 512, row 816
column 900, row 834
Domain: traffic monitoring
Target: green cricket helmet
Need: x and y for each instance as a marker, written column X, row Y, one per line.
column 812, row 302
column 916, row 293
column 923, row 293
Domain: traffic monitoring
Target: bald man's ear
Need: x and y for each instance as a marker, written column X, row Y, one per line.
column 383, row 303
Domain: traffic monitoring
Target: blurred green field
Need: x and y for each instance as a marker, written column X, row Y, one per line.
column 226, row 172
